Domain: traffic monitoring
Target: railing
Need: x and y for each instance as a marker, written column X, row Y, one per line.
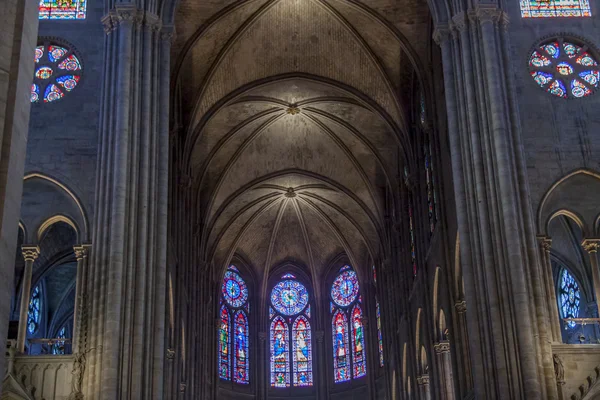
column 583, row 339
column 56, row 346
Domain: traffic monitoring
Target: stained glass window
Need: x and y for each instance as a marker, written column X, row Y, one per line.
column 555, row 8
column 359, row 358
column 379, row 335
column 564, row 69
column 431, row 200
column 349, row 359
column 345, row 288
column 57, row 71
column 59, row 346
column 341, row 353
column 35, row 311
column 233, row 329
column 62, row 9
column 240, row 359
column 570, row 296
column 288, row 298
column 224, row 340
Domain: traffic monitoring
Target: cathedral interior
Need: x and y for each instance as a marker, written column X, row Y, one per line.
column 300, row 199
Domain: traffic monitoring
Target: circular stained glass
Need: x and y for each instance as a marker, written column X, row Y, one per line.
column 234, row 289
column 564, row 68
column 58, row 72
column 289, row 297
column 345, row 288
column 570, row 297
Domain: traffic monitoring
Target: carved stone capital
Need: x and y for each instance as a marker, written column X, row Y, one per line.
column 152, row 21
column 461, row 306
column 591, row 245
column 441, row 34
column 488, row 13
column 442, row 347
column 30, row 253
column 459, row 21
column 170, row 354
column 545, row 242
column 182, row 387
column 424, row 379
column 80, row 252
column 107, row 22
column 124, row 14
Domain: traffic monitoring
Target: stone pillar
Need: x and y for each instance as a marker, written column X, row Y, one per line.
column 128, row 286
column 591, row 246
column 497, row 243
column 464, row 360
column 80, row 309
column 442, row 353
column 423, row 385
column 30, row 254
column 263, row 369
column 321, row 379
column 552, row 304
column 19, row 38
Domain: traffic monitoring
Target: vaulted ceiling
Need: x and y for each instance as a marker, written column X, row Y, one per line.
column 295, row 116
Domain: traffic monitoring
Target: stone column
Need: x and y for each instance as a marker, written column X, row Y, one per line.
column 591, row 246
column 80, row 311
column 423, row 384
column 552, row 304
column 19, row 38
column 127, row 339
column 30, row 254
column 321, row 379
column 262, row 360
column 464, row 360
column 442, row 353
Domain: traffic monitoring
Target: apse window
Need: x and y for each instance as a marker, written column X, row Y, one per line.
column 57, row 72
column 290, row 334
column 570, row 297
column 555, row 8
column 347, row 327
column 564, row 68
column 62, row 9
column 233, row 355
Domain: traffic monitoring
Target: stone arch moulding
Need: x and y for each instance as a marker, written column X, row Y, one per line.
column 77, row 219
column 575, row 195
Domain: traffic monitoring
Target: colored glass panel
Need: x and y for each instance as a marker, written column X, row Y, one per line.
column 578, row 89
column 234, row 289
column 55, row 53
column 302, row 352
column 359, row 357
column 59, row 347
column 429, row 187
column 70, row 63
column 570, row 296
column 553, row 49
column 345, row 288
column 62, row 9
column 422, row 115
column 374, row 274
column 240, row 359
column 591, row 77
column 564, row 68
column 331, row 307
column 555, row 8
column 68, row 81
column 558, row 89
column 571, row 50
column 280, row 363
column 289, row 297
column 35, row 93
column 233, row 268
column 271, row 312
column 379, row 335
column 341, row 353
column 43, row 73
column 224, row 339
column 288, row 276
column 541, row 78
column 39, row 52
column 538, row 60
column 35, row 310
column 586, row 60
column 308, row 311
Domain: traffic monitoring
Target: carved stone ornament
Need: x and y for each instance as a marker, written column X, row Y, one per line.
column 30, row 253
column 80, row 252
column 559, row 369
column 488, row 13
column 424, row 379
column 442, row 347
column 459, row 21
column 170, row 354
column 461, row 307
column 182, row 387
column 293, row 110
column 290, row 193
column 441, row 34
column 591, row 245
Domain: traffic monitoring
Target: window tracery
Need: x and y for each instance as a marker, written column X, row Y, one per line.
column 564, row 68
column 233, row 334
column 570, row 296
column 57, row 71
column 35, row 310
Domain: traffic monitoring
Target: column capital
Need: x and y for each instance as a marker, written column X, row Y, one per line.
column 461, row 306
column 442, row 347
column 459, row 21
column 441, row 34
column 488, row 13
column 170, row 354
column 423, row 380
column 81, row 251
column 544, row 241
column 591, row 245
column 30, row 253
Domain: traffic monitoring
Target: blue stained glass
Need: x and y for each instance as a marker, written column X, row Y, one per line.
column 345, row 288
column 538, row 60
column 233, row 268
column 35, row 93
column 578, row 89
column 289, row 297
column 240, row 358
column 570, row 297
column 302, row 352
column 359, row 357
column 39, row 53
column 59, row 347
column 586, row 60
column 288, row 276
column 345, row 267
column 341, row 353
column 234, row 289
column 379, row 335
column 70, row 63
column 224, row 340
column 62, row 9
column 33, row 314
column 280, row 363
column 308, row 311
column 558, row 89
column 591, row 77
column 68, row 81
column 271, row 312
column 553, row 49
column 555, row 8
column 55, row 53
column 541, row 78
column 331, row 307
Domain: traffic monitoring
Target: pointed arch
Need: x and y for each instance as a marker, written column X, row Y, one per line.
column 241, row 367
column 224, row 340
column 280, row 344
column 302, row 352
column 359, row 356
column 341, row 353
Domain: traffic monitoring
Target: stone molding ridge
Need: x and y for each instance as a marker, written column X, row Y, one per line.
column 30, row 253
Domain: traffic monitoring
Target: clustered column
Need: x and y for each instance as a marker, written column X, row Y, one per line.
column 499, row 256
column 591, row 246
column 442, row 353
column 545, row 246
column 30, row 254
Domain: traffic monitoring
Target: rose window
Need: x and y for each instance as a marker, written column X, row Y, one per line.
column 57, row 72
column 564, row 69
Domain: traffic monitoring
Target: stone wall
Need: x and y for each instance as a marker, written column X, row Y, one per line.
column 579, row 362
